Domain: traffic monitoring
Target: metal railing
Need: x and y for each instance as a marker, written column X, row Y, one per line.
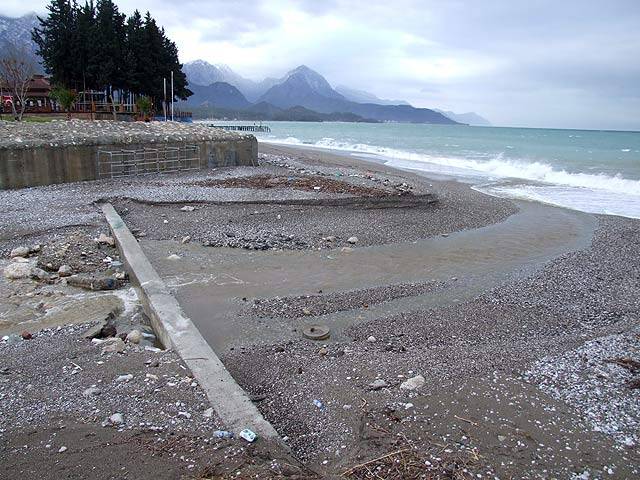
column 146, row 161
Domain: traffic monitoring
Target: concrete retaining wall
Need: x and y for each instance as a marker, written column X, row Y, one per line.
column 176, row 330
column 45, row 165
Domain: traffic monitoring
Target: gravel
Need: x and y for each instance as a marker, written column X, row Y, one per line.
column 102, row 132
column 324, row 304
column 542, row 324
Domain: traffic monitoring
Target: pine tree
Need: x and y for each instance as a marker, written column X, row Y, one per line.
column 83, row 45
column 107, row 55
column 54, row 40
column 97, row 47
column 135, row 55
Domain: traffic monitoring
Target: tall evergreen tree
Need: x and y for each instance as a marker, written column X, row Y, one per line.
column 55, row 42
column 94, row 46
column 106, row 63
column 83, row 45
column 136, row 54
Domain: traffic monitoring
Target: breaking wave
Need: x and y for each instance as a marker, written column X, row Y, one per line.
column 592, row 192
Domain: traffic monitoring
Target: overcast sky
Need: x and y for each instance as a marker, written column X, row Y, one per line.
column 560, row 63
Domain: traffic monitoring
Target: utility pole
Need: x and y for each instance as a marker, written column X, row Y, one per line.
column 172, row 95
column 164, row 103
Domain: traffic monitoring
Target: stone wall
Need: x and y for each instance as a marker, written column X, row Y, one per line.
column 26, row 164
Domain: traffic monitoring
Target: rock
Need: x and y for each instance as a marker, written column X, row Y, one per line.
column 39, row 274
column 124, row 378
column 65, row 271
column 13, row 339
column 91, row 282
column 208, row 413
column 371, row 339
column 91, row 392
column 116, row 419
column 16, row 271
column 186, row 239
column 378, row 384
column 413, row 383
column 330, row 239
column 306, row 311
column 501, row 438
column 113, row 345
column 107, row 331
column 20, row 260
column 346, row 249
column 173, row 256
column 352, row 240
column 19, row 252
column 106, row 240
column 35, row 249
column 26, row 335
column 134, row 336
column 188, row 208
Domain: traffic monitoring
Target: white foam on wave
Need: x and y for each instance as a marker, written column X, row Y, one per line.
column 495, row 168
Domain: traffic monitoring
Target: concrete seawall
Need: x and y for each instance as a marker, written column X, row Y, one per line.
column 57, row 156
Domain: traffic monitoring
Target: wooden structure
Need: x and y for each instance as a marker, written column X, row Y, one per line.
column 242, row 128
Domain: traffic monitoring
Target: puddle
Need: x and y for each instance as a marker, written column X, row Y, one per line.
column 209, row 281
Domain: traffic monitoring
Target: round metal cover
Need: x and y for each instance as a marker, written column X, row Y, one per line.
column 316, row 332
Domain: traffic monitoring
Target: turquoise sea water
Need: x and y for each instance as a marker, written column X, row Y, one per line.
column 593, row 171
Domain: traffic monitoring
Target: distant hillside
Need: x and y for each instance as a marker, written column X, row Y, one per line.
column 200, row 72
column 360, row 96
column 219, row 94
column 265, row 111
column 18, row 31
column 470, row 118
column 303, row 87
column 309, row 89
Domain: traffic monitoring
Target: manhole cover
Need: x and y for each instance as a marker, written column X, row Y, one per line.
column 316, row 332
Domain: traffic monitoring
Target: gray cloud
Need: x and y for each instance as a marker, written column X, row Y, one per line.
column 570, row 63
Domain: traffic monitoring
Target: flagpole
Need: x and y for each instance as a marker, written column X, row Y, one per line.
column 172, row 95
column 164, row 103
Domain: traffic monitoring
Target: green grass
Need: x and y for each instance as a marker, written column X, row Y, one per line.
column 8, row 117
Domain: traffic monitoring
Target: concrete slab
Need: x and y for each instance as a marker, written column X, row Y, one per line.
column 176, row 330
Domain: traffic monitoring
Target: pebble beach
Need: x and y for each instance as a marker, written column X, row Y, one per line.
column 470, row 336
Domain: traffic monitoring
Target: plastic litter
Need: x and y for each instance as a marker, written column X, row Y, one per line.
column 248, row 435
column 223, row 434
column 319, row 404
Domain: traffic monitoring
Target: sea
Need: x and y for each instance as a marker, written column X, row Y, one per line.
column 593, row 171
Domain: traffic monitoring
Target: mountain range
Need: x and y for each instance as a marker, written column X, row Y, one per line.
column 301, row 93
column 300, row 87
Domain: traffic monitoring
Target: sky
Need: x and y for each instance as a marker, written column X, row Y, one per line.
column 532, row 63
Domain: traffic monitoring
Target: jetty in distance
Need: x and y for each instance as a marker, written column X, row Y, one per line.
column 243, row 128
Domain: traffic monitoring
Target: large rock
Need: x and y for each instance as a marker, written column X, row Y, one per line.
column 106, row 240
column 19, row 252
column 134, row 336
column 413, row 383
column 113, row 345
column 15, row 271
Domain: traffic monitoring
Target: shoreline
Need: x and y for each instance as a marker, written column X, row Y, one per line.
column 363, row 158
column 492, row 302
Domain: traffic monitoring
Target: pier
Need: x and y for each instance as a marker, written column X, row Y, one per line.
column 243, row 128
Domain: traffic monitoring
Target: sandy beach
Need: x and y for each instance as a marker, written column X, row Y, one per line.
column 470, row 335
